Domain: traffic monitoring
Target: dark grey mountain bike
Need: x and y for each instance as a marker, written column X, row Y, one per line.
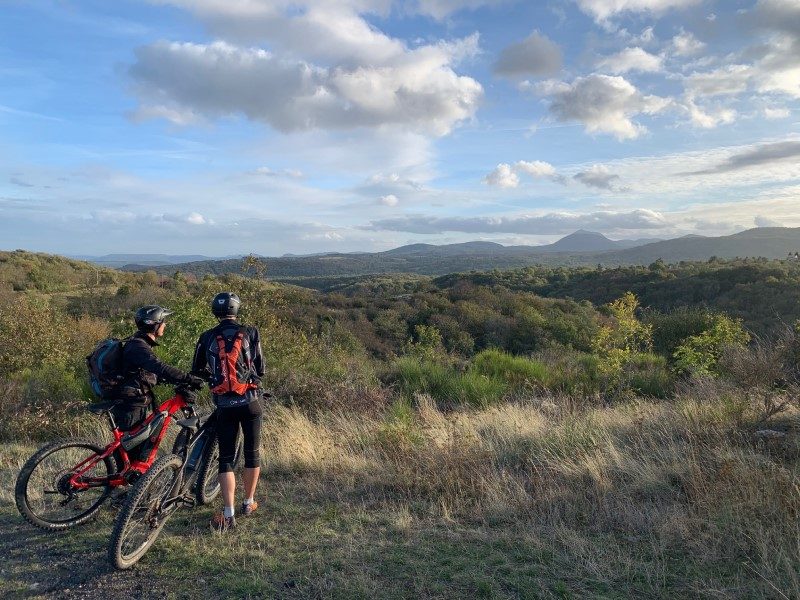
column 186, row 477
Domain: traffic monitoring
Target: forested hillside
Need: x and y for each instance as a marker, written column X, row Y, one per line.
column 578, row 249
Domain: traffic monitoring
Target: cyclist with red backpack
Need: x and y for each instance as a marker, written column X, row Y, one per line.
column 229, row 356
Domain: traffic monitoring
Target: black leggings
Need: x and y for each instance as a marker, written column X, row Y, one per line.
column 228, row 422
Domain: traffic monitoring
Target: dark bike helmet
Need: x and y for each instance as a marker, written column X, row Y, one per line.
column 149, row 317
column 225, row 304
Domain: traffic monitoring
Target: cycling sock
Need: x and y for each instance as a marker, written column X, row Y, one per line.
column 227, row 512
column 248, row 501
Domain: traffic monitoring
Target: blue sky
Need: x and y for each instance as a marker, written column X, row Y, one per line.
column 233, row 126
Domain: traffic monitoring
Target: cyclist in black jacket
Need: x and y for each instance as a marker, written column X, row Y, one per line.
column 142, row 370
column 229, row 356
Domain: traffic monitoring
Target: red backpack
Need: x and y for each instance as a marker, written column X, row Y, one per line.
column 230, row 361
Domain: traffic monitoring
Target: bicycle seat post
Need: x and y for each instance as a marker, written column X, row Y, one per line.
column 111, row 420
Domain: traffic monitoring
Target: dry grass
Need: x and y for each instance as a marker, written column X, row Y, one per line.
column 523, row 500
column 683, row 479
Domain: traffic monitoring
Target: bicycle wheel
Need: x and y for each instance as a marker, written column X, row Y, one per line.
column 43, row 493
column 143, row 516
column 207, row 487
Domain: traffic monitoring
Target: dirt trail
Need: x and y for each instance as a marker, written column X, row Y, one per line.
column 73, row 564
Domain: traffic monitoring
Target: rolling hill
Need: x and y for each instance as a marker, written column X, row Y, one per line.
column 579, row 248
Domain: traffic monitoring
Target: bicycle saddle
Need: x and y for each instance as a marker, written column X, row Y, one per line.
column 100, row 407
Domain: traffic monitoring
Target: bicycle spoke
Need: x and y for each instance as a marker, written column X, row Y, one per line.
column 147, row 517
column 49, row 494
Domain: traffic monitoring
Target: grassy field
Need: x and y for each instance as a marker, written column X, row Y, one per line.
column 525, row 500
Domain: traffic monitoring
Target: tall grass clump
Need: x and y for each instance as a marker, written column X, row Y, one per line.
column 517, row 371
column 448, row 386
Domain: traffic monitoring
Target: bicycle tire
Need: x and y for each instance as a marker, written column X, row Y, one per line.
column 139, row 498
column 22, row 493
column 207, row 487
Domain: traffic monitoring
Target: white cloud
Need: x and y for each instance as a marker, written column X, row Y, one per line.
column 685, row 44
column 389, row 200
column 604, row 104
column 535, row 55
column 598, row 176
column 777, row 113
column 196, row 219
column 418, row 89
column 503, row 176
column 762, row 221
column 602, row 10
column 536, row 168
column 507, row 176
column 631, row 59
column 541, row 224
column 727, row 80
column 708, row 118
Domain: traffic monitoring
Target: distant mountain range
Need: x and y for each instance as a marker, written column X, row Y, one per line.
column 579, row 248
column 150, row 260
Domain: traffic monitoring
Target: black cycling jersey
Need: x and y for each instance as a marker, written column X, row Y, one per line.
column 143, row 370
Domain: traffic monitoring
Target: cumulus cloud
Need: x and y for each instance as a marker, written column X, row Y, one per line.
column 598, row 176
column 708, row 118
column 685, row 44
column 764, row 154
column 602, row 10
column 777, row 15
column 762, row 221
column 535, row 168
column 418, row 89
column 631, row 59
column 776, row 113
column 502, row 176
column 507, row 176
column 727, row 80
column 535, row 55
column 389, row 200
column 547, row 224
column 604, row 104
column 196, row 219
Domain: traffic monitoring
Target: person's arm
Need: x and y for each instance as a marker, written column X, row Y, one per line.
column 258, row 357
column 141, row 357
column 199, row 362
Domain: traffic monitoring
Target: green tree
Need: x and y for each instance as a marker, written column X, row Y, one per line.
column 623, row 338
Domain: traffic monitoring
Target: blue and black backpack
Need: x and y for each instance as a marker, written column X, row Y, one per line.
column 105, row 367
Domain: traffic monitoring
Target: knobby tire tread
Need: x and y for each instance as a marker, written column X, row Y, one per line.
column 123, row 519
column 21, row 485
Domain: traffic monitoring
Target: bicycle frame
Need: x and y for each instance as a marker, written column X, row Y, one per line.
column 192, row 455
column 78, row 482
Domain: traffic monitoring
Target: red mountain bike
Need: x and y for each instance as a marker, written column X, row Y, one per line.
column 65, row 482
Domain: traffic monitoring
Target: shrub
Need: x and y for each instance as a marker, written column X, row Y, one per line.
column 671, row 328
column 45, row 403
column 700, row 354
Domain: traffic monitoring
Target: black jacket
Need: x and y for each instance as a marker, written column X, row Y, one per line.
column 200, row 361
column 143, row 370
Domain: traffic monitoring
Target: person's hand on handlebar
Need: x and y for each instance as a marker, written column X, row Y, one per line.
column 194, row 382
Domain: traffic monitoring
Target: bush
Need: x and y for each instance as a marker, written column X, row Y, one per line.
column 700, row 354
column 671, row 328
column 44, row 404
